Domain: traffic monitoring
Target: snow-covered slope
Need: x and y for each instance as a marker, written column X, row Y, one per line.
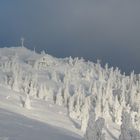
column 72, row 95
column 43, row 121
column 17, row 127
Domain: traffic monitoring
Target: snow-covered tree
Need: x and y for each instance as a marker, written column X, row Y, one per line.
column 94, row 129
column 27, row 103
column 59, row 98
column 41, row 93
column 85, row 114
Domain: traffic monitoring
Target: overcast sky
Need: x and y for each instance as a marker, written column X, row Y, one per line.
column 94, row 29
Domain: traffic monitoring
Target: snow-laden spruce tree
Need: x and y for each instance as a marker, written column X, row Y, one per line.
column 137, row 121
column 59, row 98
column 27, row 103
column 117, row 111
column 90, row 130
column 85, row 114
column 41, row 91
column 94, row 127
column 106, row 112
column 66, row 94
column 71, row 106
column 78, row 101
column 15, row 85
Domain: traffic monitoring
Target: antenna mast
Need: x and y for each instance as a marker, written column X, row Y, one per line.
column 22, row 42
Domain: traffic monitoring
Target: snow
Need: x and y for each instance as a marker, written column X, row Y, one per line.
column 18, row 127
column 43, row 121
column 55, row 95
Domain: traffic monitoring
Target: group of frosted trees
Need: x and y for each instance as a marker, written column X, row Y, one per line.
column 129, row 125
column 73, row 83
column 128, row 130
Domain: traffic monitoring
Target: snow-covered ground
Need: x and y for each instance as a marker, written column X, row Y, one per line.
column 17, row 127
column 44, row 121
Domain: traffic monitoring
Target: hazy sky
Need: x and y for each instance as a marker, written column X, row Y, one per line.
column 105, row 29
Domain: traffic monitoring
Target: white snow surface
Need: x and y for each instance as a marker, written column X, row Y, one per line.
column 45, row 121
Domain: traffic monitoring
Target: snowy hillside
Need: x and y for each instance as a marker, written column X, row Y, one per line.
column 44, row 121
column 17, row 127
column 43, row 97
